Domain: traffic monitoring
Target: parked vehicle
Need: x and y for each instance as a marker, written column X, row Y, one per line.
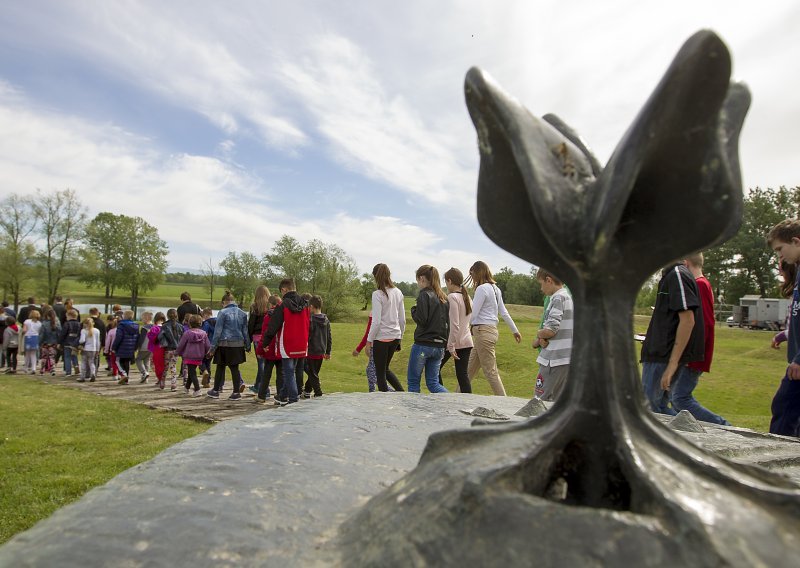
column 756, row 312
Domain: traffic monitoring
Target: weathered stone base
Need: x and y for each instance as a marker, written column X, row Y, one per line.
column 274, row 487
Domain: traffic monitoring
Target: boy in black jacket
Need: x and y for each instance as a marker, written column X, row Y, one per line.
column 319, row 346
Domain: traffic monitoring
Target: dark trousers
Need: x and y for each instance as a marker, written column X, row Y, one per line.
column 382, row 353
column 312, row 370
column 786, row 409
column 192, row 380
column 461, row 364
column 11, row 357
column 125, row 366
column 263, row 386
column 219, row 377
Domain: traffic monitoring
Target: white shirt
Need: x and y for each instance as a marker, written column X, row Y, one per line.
column 388, row 315
column 32, row 327
column 90, row 343
column 487, row 304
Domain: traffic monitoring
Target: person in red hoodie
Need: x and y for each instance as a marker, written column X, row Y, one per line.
column 272, row 359
column 289, row 326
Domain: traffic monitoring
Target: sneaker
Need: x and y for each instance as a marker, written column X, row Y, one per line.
column 92, row 379
column 280, row 402
column 235, row 396
column 52, row 373
column 81, row 380
column 143, row 379
column 318, row 394
column 212, row 394
column 306, row 395
column 260, row 400
column 253, row 389
column 242, row 387
column 186, row 391
column 197, row 392
column 173, row 388
column 123, row 381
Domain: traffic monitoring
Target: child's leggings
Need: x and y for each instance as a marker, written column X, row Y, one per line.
column 171, row 367
column 159, row 365
column 31, row 360
column 88, row 364
column 48, row 358
column 143, row 357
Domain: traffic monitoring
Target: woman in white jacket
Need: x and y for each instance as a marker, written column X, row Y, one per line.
column 487, row 304
column 388, row 325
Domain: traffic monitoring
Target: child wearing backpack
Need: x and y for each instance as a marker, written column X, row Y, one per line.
column 11, row 344
column 168, row 338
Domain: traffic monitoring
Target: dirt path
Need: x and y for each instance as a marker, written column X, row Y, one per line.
column 199, row 408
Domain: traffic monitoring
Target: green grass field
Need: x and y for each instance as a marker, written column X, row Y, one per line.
column 166, row 294
column 57, row 443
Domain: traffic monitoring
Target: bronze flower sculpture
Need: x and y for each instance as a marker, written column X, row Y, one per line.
column 597, row 479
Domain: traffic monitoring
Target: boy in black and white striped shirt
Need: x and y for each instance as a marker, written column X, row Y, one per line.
column 555, row 337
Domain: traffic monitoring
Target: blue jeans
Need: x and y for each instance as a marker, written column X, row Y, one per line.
column 289, row 368
column 70, row 359
column 262, row 363
column 428, row 358
column 651, row 383
column 683, row 384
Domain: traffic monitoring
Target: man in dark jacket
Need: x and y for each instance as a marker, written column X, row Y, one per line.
column 289, row 326
column 25, row 311
column 187, row 307
column 125, row 343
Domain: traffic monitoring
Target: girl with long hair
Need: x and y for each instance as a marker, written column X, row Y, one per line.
column 459, row 339
column 388, row 325
column 430, row 337
column 255, row 319
column 486, row 306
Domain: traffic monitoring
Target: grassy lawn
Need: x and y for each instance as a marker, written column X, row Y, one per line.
column 57, row 443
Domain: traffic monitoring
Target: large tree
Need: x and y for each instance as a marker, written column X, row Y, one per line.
column 143, row 258
column 123, row 252
column 242, row 275
column 318, row 268
column 104, row 239
column 61, row 218
column 17, row 224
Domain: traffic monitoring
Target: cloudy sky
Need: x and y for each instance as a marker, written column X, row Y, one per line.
column 229, row 124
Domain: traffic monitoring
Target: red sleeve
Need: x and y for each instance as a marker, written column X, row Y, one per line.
column 364, row 339
column 707, row 301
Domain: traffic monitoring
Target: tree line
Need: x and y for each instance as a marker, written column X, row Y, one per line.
column 48, row 236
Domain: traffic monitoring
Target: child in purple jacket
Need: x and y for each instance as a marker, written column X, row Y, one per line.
column 193, row 348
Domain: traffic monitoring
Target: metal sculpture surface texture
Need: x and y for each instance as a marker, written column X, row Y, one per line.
column 596, row 479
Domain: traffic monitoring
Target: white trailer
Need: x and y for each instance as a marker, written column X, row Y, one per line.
column 756, row 312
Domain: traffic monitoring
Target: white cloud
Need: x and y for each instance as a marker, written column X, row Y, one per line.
column 370, row 130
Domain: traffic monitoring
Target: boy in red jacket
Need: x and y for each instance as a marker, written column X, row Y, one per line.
column 289, row 327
